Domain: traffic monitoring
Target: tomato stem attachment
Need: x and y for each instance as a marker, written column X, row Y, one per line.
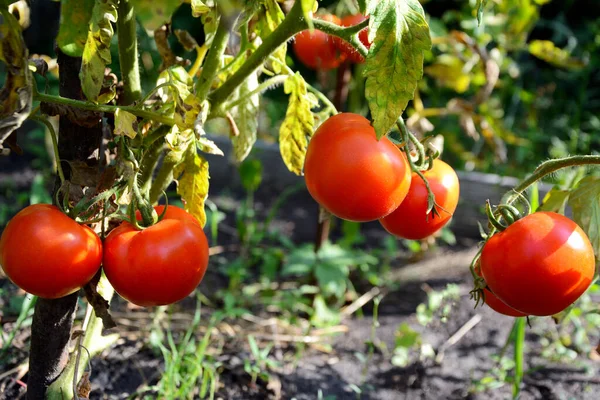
column 496, row 224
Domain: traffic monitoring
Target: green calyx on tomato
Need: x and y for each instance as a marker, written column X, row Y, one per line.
column 48, row 254
column 352, row 174
column 411, row 219
column 160, row 264
column 540, row 264
column 316, row 49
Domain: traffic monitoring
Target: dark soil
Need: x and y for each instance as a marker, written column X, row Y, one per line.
column 130, row 366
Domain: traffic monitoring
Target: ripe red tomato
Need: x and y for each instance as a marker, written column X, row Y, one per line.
column 345, row 47
column 159, row 265
column 48, row 254
column 317, row 50
column 352, row 174
column 540, row 264
column 410, row 220
column 495, row 303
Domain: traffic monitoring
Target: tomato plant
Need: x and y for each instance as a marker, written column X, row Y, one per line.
column 411, row 219
column 160, row 264
column 346, row 48
column 540, row 264
column 317, row 50
column 48, row 254
column 352, row 174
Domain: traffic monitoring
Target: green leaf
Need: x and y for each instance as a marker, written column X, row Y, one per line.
column 362, row 6
column 555, row 201
column 17, row 94
column 585, row 202
column 323, row 315
column 298, row 124
column 199, row 8
column 480, row 6
column 187, row 107
column 331, row 278
column 251, row 174
column 96, row 54
column 308, row 7
column 75, row 18
column 300, row 262
column 399, row 35
column 155, row 13
column 269, row 18
column 245, row 116
column 407, row 337
column 192, row 182
column 547, row 51
column 448, row 70
column 125, row 124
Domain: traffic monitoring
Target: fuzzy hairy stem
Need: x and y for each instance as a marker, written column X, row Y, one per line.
column 128, row 53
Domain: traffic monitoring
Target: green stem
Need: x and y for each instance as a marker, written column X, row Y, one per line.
column 519, row 350
column 349, row 34
column 550, row 166
column 149, row 163
column 164, row 177
column 44, row 121
column 149, row 216
column 86, row 105
column 292, row 24
column 128, row 52
column 266, row 85
column 213, row 58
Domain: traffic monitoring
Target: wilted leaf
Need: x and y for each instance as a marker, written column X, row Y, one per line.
column 245, row 116
column 96, row 54
column 555, row 201
column 16, row 95
column 269, row 18
column 297, row 126
column 585, row 202
column 154, row 13
column 125, row 124
column 78, row 116
column 75, row 18
column 192, row 182
column 83, row 175
column 208, row 146
column 399, row 35
column 84, row 387
column 186, row 39
column 448, row 71
column 547, row 51
column 180, row 91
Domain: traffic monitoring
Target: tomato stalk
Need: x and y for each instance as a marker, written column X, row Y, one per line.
column 518, row 355
column 128, row 52
column 50, row 128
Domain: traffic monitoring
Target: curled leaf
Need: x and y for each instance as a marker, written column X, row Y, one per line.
column 192, row 182
column 547, row 51
column 125, row 124
column 245, row 116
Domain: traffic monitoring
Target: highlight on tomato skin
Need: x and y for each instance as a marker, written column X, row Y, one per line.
column 411, row 220
column 47, row 254
column 159, row 265
column 316, row 49
column 540, row 264
column 352, row 174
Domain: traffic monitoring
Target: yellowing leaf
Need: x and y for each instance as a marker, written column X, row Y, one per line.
column 16, row 95
column 96, row 54
column 399, row 35
column 297, row 126
column 180, row 92
column 155, row 13
column 585, row 202
column 245, row 116
column 547, row 51
column 269, row 18
column 125, row 124
column 192, row 182
column 199, row 8
column 555, row 201
column 448, row 71
column 75, row 18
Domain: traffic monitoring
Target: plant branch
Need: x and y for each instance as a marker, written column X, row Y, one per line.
column 266, row 85
column 128, row 52
column 48, row 125
column 86, row 105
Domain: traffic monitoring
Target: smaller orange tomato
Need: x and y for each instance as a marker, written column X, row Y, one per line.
column 410, row 220
column 345, row 47
column 47, row 254
column 317, row 50
column 159, row 265
column 494, row 302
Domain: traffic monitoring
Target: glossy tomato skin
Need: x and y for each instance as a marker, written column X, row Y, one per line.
column 317, row 50
column 495, row 303
column 540, row 264
column 410, row 219
column 352, row 174
column 345, row 47
column 48, row 254
column 159, row 265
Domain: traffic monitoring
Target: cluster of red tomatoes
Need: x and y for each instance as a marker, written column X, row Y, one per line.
column 48, row 254
column 539, row 266
column 359, row 178
column 318, row 50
